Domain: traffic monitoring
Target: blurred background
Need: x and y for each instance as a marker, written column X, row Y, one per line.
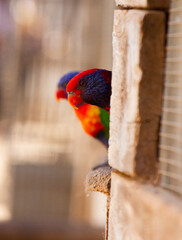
column 44, row 153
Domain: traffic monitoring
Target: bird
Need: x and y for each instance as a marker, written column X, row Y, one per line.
column 92, row 86
column 94, row 120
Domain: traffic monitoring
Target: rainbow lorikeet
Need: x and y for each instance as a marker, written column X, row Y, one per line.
column 92, row 86
column 94, row 120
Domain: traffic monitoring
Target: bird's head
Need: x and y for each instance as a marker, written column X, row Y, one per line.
column 61, row 86
column 91, row 87
column 78, row 88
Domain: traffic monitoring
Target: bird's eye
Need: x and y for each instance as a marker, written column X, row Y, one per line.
column 82, row 83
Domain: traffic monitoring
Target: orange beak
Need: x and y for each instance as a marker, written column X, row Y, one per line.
column 74, row 99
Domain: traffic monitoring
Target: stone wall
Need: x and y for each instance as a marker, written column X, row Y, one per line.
column 139, row 209
column 143, row 212
column 138, row 53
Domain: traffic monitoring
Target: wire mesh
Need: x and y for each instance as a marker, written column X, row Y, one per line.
column 171, row 126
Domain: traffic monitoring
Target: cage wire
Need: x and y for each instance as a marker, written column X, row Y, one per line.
column 171, row 125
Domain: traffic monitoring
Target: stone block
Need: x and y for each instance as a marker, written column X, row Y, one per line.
column 151, row 4
column 137, row 83
column 143, row 212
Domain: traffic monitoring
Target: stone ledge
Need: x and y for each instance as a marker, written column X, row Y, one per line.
column 147, row 4
column 142, row 212
column 99, row 180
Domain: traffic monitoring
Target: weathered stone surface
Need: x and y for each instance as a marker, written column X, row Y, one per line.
column 152, row 4
column 143, row 212
column 99, row 180
column 138, row 56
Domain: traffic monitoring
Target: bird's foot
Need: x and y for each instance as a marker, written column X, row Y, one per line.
column 104, row 164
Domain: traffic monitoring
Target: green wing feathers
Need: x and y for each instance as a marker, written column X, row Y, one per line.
column 104, row 116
